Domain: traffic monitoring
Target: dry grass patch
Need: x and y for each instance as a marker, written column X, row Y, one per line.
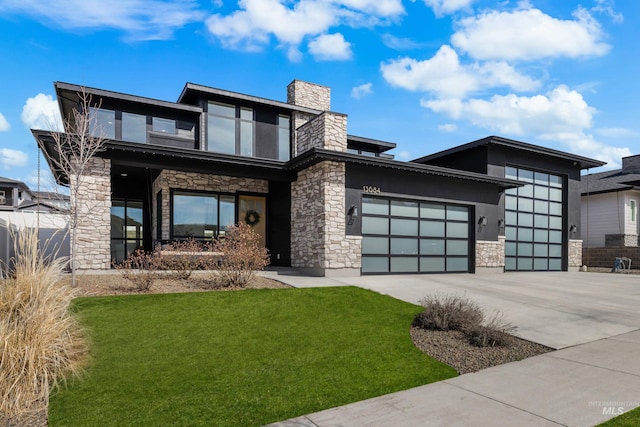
column 41, row 343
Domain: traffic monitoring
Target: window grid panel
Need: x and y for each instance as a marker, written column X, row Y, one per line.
column 533, row 219
column 441, row 229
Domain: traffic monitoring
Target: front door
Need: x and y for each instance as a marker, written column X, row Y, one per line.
column 252, row 210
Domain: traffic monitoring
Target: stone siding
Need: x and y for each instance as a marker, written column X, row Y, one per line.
column 94, row 217
column 575, row 255
column 328, row 130
column 170, row 179
column 309, row 95
column 490, row 254
column 318, row 237
column 299, row 119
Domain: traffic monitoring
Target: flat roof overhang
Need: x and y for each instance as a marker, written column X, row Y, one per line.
column 136, row 155
column 584, row 162
column 318, row 155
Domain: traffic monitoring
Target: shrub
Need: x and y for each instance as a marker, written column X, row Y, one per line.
column 41, row 342
column 141, row 269
column 241, row 254
column 456, row 313
column 182, row 257
column 494, row 332
column 448, row 312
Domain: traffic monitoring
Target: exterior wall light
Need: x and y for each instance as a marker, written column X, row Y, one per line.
column 501, row 223
column 573, row 229
column 352, row 213
column 482, row 222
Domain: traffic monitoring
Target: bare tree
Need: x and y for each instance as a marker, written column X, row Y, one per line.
column 74, row 148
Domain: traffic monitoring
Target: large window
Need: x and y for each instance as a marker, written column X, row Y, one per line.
column 222, row 128
column 102, row 123
column 134, row 127
column 284, row 137
column 405, row 236
column 243, row 131
column 126, row 227
column 127, row 126
column 534, row 221
column 202, row 216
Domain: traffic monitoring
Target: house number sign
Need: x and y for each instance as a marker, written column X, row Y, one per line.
column 370, row 189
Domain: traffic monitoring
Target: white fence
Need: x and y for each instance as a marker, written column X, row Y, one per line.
column 52, row 233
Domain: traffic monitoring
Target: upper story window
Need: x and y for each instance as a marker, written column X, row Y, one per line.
column 247, row 132
column 284, row 123
column 167, row 126
column 632, row 206
column 102, row 123
column 132, row 127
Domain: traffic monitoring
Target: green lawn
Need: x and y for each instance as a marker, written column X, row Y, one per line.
column 628, row 419
column 243, row 358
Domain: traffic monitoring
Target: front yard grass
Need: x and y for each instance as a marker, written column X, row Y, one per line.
column 243, row 358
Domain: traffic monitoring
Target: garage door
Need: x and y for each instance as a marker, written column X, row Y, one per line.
column 534, row 221
column 408, row 236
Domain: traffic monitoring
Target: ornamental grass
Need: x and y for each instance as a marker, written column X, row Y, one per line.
column 40, row 341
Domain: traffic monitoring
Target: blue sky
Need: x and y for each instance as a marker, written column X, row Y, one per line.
column 425, row 74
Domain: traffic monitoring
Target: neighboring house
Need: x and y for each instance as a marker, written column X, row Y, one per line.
column 17, row 197
column 325, row 202
column 14, row 194
column 610, row 202
column 20, row 207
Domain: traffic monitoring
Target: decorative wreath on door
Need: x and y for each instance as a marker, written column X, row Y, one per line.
column 252, row 217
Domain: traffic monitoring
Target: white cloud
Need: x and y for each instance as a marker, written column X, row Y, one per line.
column 528, row 35
column 560, row 116
column 561, row 110
column 448, row 127
column 327, row 47
column 41, row 112
column 615, row 132
column 12, row 158
column 606, row 8
column 404, row 155
column 257, row 21
column 586, row 145
column 4, row 124
column 358, row 92
column 399, row 43
column 140, row 19
column 445, row 7
column 447, row 78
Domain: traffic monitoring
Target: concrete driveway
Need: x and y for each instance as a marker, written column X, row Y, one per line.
column 593, row 317
column 557, row 309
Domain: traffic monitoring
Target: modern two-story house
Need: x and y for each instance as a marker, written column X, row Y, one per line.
column 324, row 201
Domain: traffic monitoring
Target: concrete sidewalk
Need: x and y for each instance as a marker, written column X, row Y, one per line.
column 593, row 317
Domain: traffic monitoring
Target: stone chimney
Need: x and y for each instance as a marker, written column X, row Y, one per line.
column 309, row 95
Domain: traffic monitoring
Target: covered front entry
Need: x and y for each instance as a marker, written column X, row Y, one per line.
column 410, row 236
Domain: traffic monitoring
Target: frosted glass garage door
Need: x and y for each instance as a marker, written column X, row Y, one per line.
column 534, row 221
column 406, row 236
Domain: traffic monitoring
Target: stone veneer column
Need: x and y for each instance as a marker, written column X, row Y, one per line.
column 170, row 179
column 328, row 130
column 307, row 95
column 94, row 217
column 575, row 255
column 319, row 244
column 490, row 255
